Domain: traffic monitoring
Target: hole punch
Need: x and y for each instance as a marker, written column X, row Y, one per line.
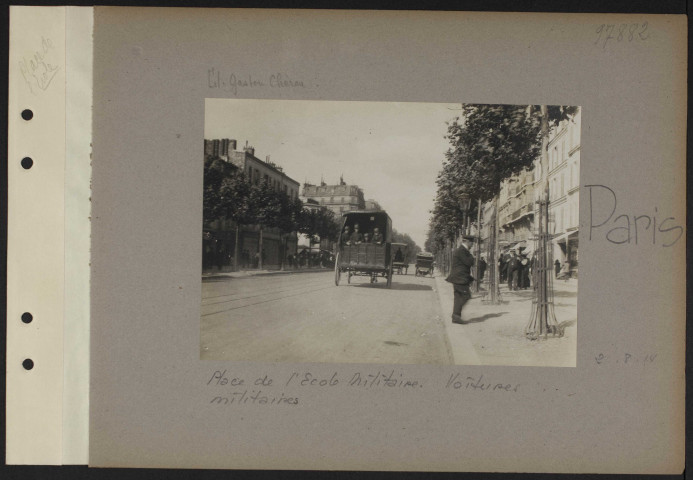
column 27, row 114
column 28, row 364
column 27, row 163
column 27, row 317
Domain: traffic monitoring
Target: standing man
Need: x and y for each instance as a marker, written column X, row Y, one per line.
column 513, row 270
column 460, row 277
column 482, row 269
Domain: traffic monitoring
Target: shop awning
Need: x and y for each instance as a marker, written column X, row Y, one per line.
column 564, row 237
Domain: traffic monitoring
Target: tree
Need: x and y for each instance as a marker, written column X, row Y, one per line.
column 488, row 144
column 215, row 171
column 234, row 204
column 412, row 247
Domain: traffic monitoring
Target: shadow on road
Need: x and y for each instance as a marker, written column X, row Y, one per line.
column 567, row 323
column 395, row 286
column 216, row 279
column 484, row 317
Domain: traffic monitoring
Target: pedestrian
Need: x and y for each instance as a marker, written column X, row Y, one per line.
column 557, row 267
column 460, row 277
column 513, row 266
column 524, row 280
column 482, row 269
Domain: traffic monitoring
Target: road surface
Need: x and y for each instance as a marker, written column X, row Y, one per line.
column 304, row 317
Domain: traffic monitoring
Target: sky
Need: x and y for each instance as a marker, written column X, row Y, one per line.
column 393, row 151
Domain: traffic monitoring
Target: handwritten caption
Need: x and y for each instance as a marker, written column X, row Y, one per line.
column 265, row 390
column 235, row 83
column 619, row 228
column 624, row 32
column 37, row 70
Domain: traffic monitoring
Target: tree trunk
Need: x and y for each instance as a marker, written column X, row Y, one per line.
column 478, row 246
column 236, row 249
column 494, row 273
column 259, row 251
column 542, row 319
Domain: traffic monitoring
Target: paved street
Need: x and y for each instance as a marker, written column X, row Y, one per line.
column 304, row 317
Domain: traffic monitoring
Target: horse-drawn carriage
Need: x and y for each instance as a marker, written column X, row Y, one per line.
column 424, row 264
column 400, row 258
column 364, row 247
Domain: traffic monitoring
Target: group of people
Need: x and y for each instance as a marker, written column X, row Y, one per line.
column 356, row 237
column 516, row 269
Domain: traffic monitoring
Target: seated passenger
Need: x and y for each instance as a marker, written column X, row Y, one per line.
column 399, row 257
column 366, row 237
column 377, row 236
column 356, row 237
column 346, row 236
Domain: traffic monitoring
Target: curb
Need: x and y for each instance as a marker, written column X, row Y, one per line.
column 463, row 351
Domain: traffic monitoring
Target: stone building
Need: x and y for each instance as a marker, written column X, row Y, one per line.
column 518, row 195
column 564, row 190
column 219, row 238
column 371, row 204
column 338, row 198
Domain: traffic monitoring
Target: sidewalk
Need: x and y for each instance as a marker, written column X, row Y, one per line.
column 495, row 334
column 253, row 272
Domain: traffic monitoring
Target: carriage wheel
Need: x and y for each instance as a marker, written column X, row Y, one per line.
column 337, row 271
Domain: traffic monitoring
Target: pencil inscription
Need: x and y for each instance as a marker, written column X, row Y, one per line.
column 37, row 71
column 624, row 32
column 235, row 83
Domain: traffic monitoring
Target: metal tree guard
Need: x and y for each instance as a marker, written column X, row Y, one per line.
column 494, row 294
column 542, row 320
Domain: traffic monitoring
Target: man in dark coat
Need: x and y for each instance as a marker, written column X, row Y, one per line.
column 513, row 271
column 482, row 269
column 460, row 277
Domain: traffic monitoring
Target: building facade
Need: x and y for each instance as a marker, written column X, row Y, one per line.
column 516, row 210
column 519, row 194
column 219, row 239
column 338, row 198
column 563, row 152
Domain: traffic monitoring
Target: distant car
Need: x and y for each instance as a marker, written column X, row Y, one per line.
column 424, row 264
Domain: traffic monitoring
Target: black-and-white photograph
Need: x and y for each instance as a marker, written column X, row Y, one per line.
column 390, row 233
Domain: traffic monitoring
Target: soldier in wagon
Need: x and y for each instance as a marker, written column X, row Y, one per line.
column 377, row 236
column 356, row 236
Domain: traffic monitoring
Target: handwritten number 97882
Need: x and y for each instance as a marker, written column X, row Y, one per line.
column 624, row 32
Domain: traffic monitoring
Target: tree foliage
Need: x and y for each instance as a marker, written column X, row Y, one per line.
column 398, row 237
column 229, row 194
column 488, row 144
column 319, row 222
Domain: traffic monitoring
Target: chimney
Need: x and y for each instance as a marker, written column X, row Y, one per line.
column 232, row 144
column 250, row 150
